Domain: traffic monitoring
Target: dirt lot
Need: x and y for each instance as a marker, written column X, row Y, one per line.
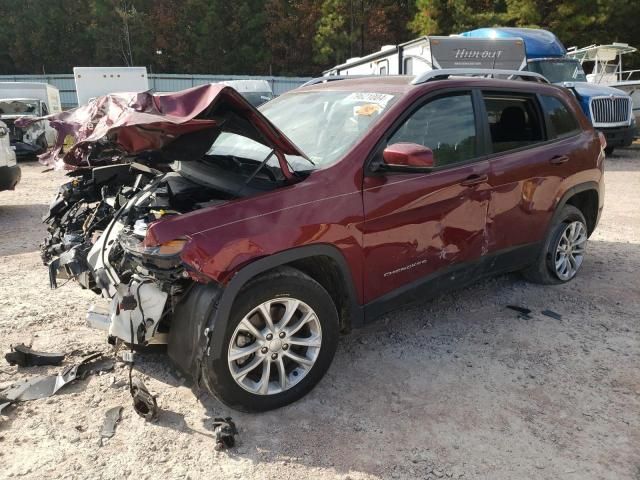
column 458, row 387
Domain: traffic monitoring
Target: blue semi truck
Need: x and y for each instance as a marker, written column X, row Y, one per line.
column 609, row 109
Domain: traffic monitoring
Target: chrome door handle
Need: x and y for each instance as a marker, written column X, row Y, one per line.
column 559, row 159
column 474, row 180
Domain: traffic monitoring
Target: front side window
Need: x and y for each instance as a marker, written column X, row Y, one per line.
column 514, row 121
column 446, row 125
column 562, row 120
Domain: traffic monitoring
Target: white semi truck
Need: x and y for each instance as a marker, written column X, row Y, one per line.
column 29, row 99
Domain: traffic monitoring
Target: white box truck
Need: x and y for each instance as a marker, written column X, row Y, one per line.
column 28, row 99
column 92, row 82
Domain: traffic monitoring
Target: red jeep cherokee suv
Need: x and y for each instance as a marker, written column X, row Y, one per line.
column 339, row 201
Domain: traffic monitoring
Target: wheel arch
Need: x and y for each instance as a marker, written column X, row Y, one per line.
column 322, row 262
column 586, row 198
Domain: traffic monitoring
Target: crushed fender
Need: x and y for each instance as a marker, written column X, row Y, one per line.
column 24, row 356
column 225, row 431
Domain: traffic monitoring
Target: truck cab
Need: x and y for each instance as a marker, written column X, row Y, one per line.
column 609, row 109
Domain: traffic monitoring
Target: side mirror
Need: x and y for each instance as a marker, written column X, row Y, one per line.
column 408, row 157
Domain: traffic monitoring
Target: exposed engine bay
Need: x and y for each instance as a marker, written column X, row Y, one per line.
column 141, row 166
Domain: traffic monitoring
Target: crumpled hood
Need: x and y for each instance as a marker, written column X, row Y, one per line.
column 586, row 89
column 133, row 123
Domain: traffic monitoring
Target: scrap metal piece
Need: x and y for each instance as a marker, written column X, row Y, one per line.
column 523, row 311
column 111, row 419
column 46, row 386
column 24, row 356
column 225, row 431
column 552, row 314
column 144, row 403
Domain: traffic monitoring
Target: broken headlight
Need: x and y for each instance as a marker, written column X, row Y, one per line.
column 135, row 245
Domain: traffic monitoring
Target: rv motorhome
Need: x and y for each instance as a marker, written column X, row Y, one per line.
column 430, row 53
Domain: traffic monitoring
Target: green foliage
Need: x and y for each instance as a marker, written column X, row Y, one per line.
column 279, row 37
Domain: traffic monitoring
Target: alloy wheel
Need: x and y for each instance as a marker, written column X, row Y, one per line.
column 274, row 346
column 570, row 250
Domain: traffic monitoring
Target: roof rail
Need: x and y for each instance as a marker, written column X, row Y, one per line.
column 444, row 73
column 333, row 78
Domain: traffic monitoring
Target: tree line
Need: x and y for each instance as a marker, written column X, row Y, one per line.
column 271, row 37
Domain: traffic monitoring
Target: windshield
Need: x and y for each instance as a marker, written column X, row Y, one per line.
column 558, row 71
column 324, row 125
column 18, row 107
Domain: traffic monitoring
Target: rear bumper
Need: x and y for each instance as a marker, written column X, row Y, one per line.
column 9, row 177
column 619, row 136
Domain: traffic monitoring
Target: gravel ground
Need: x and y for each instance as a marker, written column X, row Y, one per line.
column 457, row 387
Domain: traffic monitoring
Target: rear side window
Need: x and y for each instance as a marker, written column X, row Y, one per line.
column 514, row 121
column 446, row 125
column 563, row 122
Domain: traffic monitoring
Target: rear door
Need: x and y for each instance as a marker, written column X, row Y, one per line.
column 417, row 224
column 528, row 161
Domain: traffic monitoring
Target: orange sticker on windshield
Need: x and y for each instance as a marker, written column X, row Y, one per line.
column 367, row 110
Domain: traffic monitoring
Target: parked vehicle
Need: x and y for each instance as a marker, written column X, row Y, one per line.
column 23, row 99
column 609, row 109
column 277, row 229
column 9, row 171
column 93, row 82
column 256, row 92
column 604, row 63
column 429, row 53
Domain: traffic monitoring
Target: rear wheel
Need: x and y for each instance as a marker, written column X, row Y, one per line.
column 564, row 249
column 280, row 340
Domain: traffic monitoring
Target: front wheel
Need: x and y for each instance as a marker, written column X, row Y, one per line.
column 280, row 340
column 563, row 251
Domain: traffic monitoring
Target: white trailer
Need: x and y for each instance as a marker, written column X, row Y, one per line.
column 92, row 82
column 27, row 99
column 430, row 53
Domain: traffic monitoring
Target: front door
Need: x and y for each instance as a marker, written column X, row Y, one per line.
column 417, row 224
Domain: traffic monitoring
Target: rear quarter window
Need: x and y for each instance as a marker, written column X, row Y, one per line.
column 562, row 122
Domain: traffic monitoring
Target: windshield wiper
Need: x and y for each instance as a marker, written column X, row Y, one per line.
column 256, row 171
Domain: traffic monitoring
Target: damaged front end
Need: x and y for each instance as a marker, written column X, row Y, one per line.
column 26, row 139
column 139, row 160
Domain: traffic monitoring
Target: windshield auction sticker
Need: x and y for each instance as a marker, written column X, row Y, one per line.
column 378, row 98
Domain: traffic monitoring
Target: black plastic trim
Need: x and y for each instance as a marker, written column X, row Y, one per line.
column 454, row 277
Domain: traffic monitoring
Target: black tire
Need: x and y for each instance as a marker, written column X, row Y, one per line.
column 608, row 150
column 281, row 282
column 543, row 271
